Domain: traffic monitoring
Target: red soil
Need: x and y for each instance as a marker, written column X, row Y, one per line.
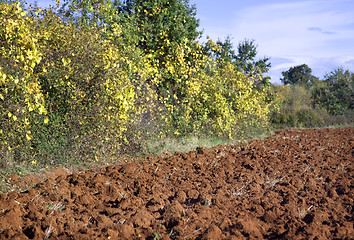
column 297, row 184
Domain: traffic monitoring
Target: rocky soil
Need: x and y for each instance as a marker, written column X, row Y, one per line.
column 296, row 184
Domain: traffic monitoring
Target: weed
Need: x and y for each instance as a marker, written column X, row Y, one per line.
column 273, row 182
column 195, row 231
column 88, row 222
column 183, row 144
column 342, row 166
column 56, row 207
column 303, row 212
column 123, row 195
column 157, row 235
column 121, row 221
column 307, row 168
column 207, row 202
column 239, row 191
column 48, row 232
column 172, row 233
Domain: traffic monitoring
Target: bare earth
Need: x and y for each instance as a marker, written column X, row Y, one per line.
column 297, row 184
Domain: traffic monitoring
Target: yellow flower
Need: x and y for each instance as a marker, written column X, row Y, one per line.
column 28, row 135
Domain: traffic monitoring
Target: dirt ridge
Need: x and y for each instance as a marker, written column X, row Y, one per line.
column 296, row 184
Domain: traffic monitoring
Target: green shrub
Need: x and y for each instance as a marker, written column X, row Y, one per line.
column 336, row 92
column 296, row 108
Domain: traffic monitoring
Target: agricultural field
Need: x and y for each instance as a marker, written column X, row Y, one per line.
column 296, row 184
column 110, row 84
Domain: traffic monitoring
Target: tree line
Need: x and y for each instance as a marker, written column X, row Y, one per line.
column 308, row 101
column 91, row 79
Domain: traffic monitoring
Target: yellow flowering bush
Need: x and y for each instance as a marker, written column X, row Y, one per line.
column 85, row 79
column 202, row 94
column 21, row 98
column 78, row 87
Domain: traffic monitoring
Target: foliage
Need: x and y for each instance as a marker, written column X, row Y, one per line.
column 247, row 51
column 159, row 20
column 311, row 102
column 21, row 98
column 92, row 79
column 296, row 108
column 227, row 53
column 211, row 96
column 87, row 79
column 300, row 74
column 336, row 92
column 243, row 60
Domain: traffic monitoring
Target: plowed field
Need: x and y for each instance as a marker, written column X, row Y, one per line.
column 296, row 184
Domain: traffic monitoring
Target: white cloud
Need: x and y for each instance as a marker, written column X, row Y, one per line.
column 283, row 28
column 317, row 33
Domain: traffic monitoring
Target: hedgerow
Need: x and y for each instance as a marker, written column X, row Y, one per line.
column 77, row 84
column 21, row 97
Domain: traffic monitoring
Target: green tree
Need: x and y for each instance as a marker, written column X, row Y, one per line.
column 146, row 22
column 156, row 20
column 244, row 59
column 336, row 92
column 301, row 74
column 227, row 53
column 246, row 54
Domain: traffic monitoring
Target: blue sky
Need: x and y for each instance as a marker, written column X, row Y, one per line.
column 319, row 33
